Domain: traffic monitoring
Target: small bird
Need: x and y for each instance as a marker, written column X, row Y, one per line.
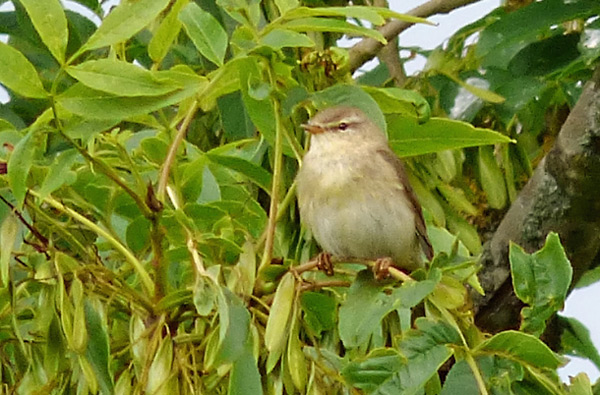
column 354, row 194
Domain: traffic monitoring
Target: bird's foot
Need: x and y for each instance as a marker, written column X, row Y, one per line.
column 381, row 268
column 324, row 263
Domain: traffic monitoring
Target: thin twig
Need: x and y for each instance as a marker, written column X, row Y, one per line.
column 273, row 207
column 395, row 273
column 103, row 167
column 166, row 167
column 287, row 200
column 367, row 48
column 390, row 55
column 310, row 265
column 323, row 284
column 31, row 228
column 190, row 242
column 137, row 265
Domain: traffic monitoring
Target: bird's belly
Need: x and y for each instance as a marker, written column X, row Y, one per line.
column 373, row 221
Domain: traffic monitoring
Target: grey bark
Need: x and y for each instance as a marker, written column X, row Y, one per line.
column 562, row 196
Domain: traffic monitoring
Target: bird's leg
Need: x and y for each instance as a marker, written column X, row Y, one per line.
column 324, row 263
column 381, row 268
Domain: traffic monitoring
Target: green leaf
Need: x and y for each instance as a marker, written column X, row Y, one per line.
column 138, row 234
column 206, row 33
column 225, row 80
column 234, row 321
column 388, row 13
column 204, row 296
column 8, row 236
column 576, row 340
column 55, row 347
column 491, row 178
column 160, row 368
column 175, row 299
column 546, row 56
column 281, row 38
column 80, row 128
column 155, row 149
column 286, row 5
column 503, row 39
column 521, row 347
column 408, row 138
column 369, row 374
column 281, row 309
column 121, row 78
column 166, row 33
column 319, row 311
column 295, row 361
column 580, row 385
column 400, row 101
column 235, row 120
column 261, row 112
column 49, row 20
column 245, row 378
column 59, row 173
column 465, row 231
column 423, row 351
column 94, row 104
column 19, row 165
column 128, row 18
column 375, row 15
column 540, row 280
column 358, row 12
column 460, row 380
column 332, row 25
column 98, row 350
column 247, row 270
column 494, row 369
column 246, row 12
column 481, row 93
column 366, row 304
column 6, row 126
column 18, row 74
column 259, row 175
column 456, row 199
column 588, row 278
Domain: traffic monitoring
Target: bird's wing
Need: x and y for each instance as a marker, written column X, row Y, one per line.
column 389, row 156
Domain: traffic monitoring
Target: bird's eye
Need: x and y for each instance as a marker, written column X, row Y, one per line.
column 343, row 126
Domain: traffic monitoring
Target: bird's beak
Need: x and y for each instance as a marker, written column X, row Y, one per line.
column 312, row 129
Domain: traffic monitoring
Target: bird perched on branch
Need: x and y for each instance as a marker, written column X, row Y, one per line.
column 354, row 194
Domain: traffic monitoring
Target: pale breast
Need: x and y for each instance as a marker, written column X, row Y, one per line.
column 357, row 208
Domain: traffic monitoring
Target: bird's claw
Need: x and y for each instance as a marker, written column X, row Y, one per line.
column 381, row 268
column 324, row 263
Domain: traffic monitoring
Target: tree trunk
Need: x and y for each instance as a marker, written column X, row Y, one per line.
column 562, row 196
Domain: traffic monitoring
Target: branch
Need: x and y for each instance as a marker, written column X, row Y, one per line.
column 561, row 196
column 367, row 48
column 116, row 244
column 166, row 167
column 390, row 55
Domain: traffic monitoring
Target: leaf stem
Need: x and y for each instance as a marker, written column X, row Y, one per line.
column 287, row 200
column 475, row 369
column 277, row 165
column 166, row 168
column 137, row 265
column 105, row 169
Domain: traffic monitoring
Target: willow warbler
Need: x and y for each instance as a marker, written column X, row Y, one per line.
column 354, row 194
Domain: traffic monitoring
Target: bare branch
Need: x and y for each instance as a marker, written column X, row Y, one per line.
column 367, row 48
column 390, row 55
